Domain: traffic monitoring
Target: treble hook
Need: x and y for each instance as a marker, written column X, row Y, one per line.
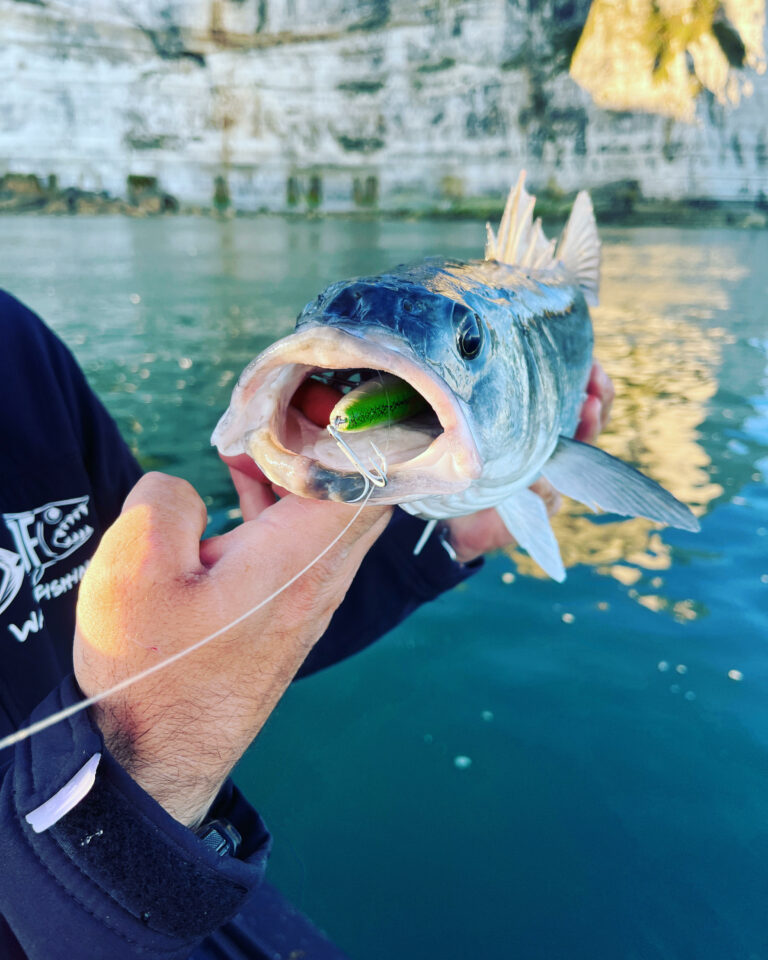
column 377, row 475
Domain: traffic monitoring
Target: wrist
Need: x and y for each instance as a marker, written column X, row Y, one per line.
column 173, row 775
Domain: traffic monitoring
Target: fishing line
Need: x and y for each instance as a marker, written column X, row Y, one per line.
column 376, row 473
column 70, row 711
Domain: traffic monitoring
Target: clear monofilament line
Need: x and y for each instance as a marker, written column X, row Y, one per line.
column 377, row 475
column 70, row 711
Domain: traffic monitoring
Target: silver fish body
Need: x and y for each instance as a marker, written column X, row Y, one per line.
column 499, row 348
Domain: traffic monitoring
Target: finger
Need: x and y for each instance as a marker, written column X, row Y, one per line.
column 160, row 526
column 601, row 386
column 316, row 401
column 479, row 533
column 551, row 497
column 246, row 465
column 254, row 495
column 603, row 383
column 607, row 395
column 595, row 382
column 264, row 553
column 590, row 423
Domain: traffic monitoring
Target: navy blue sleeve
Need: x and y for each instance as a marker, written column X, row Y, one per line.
column 64, row 473
column 52, row 417
column 117, row 877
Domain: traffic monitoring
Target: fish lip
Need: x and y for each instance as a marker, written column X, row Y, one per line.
column 262, row 398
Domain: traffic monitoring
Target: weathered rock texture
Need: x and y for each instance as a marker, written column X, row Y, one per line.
column 294, row 104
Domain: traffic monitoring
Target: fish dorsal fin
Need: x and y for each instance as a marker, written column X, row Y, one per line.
column 520, row 241
column 598, row 480
column 525, row 516
column 579, row 247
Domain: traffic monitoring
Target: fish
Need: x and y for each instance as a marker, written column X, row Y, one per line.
column 500, row 350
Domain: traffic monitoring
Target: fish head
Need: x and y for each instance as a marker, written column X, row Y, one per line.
column 455, row 325
column 423, row 327
column 443, row 333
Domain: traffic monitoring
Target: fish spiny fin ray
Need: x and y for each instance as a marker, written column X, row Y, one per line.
column 525, row 516
column 520, row 241
column 490, row 243
column 598, row 480
column 579, row 247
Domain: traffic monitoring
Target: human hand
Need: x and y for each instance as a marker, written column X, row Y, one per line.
column 153, row 589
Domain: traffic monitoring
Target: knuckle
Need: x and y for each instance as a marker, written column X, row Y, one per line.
column 153, row 480
column 164, row 485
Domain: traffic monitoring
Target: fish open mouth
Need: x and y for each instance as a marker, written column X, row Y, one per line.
column 431, row 453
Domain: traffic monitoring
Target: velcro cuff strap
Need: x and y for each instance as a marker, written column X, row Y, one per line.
column 131, row 859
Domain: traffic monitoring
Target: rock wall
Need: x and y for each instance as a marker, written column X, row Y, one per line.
column 291, row 104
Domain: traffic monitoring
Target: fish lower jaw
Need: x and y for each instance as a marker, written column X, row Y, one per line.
column 433, row 458
column 306, row 476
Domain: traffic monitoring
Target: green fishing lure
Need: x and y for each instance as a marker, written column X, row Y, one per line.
column 377, row 402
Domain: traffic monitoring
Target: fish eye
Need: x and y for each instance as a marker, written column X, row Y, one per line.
column 469, row 336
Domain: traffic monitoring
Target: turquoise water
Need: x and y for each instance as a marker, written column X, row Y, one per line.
column 615, row 800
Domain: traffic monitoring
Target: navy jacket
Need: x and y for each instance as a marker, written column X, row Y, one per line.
column 117, row 877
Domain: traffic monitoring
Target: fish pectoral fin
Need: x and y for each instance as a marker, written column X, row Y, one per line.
column 579, row 247
column 525, row 516
column 598, row 480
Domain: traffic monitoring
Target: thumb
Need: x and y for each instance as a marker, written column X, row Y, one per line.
column 292, row 534
column 159, row 527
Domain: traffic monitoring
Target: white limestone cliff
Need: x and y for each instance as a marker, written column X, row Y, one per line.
column 288, row 104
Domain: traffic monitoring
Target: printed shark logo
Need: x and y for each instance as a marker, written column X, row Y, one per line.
column 47, row 535
column 11, row 576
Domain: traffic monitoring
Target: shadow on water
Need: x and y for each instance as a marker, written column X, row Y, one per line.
column 524, row 768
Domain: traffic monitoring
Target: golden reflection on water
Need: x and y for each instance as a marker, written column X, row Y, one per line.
column 656, row 338
column 658, row 55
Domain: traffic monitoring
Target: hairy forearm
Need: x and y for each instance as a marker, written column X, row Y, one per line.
column 182, row 775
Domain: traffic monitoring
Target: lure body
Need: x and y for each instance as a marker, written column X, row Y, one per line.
column 378, row 402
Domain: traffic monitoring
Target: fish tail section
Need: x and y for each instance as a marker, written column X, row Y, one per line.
column 598, row 480
column 579, row 247
column 525, row 516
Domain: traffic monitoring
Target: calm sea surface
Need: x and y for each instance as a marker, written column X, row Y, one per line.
column 525, row 769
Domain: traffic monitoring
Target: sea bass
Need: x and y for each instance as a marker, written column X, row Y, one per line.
column 499, row 350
